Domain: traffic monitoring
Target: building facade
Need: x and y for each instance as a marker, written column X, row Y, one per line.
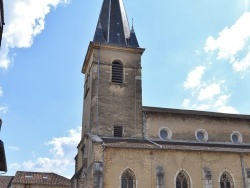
column 24, row 179
column 3, row 163
column 127, row 145
column 1, row 20
column 5, row 181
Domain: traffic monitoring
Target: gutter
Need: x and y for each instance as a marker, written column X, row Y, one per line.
column 158, row 145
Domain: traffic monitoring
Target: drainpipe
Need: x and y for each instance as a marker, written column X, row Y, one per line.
column 97, row 90
column 103, row 150
column 243, row 170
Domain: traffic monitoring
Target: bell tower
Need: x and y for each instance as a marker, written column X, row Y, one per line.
column 112, row 92
column 112, row 67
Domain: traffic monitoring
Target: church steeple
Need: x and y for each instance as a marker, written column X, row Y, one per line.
column 113, row 26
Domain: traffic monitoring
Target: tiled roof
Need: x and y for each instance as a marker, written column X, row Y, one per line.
column 40, row 178
column 5, row 181
column 133, row 143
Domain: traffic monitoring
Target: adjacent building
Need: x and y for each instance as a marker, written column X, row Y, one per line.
column 3, row 164
column 5, row 181
column 127, row 145
column 1, row 20
column 24, row 179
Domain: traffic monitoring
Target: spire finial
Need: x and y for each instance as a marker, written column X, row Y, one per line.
column 132, row 24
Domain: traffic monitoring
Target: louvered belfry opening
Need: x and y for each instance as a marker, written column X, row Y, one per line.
column 118, row 131
column 117, row 72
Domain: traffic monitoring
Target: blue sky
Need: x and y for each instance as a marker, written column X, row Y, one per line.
column 197, row 57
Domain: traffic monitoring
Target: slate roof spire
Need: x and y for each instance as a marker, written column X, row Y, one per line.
column 113, row 26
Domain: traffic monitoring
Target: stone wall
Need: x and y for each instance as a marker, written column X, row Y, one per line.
column 144, row 164
column 108, row 104
column 183, row 127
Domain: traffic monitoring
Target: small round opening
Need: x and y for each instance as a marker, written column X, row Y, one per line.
column 236, row 137
column 164, row 134
column 200, row 136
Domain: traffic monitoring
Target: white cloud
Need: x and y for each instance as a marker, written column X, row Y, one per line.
column 203, row 107
column 186, row 103
column 43, row 164
column 243, row 64
column 3, row 110
column 24, row 20
column 14, row 148
column 194, row 77
column 233, row 44
column 227, row 109
column 211, row 97
column 231, row 40
column 222, row 106
column 209, row 91
column 205, row 94
column 65, row 145
column 221, row 101
column 1, row 91
column 62, row 154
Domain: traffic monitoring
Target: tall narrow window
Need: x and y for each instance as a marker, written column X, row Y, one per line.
column 247, row 179
column 118, row 131
column 182, row 180
column 117, row 72
column 159, row 177
column 128, row 179
column 86, row 86
column 207, row 177
column 226, row 181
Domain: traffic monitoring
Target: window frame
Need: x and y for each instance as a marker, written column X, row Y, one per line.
column 205, row 135
column 117, row 72
column 223, row 183
column 169, row 133
column 187, row 179
column 118, row 131
column 236, row 133
column 128, row 174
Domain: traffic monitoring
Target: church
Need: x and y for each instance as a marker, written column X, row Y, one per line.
column 127, row 145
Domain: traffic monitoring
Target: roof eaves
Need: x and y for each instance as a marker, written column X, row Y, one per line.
column 194, row 112
column 132, row 143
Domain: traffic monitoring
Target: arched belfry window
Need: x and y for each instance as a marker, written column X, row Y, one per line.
column 128, row 179
column 182, row 180
column 117, row 72
column 226, row 180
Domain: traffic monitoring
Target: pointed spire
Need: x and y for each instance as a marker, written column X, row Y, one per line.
column 113, row 26
column 133, row 40
column 99, row 37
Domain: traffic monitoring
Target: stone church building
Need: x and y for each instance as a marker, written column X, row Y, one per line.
column 127, row 145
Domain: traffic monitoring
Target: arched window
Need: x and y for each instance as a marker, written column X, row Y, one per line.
column 128, row 179
column 117, row 72
column 182, row 180
column 226, row 180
